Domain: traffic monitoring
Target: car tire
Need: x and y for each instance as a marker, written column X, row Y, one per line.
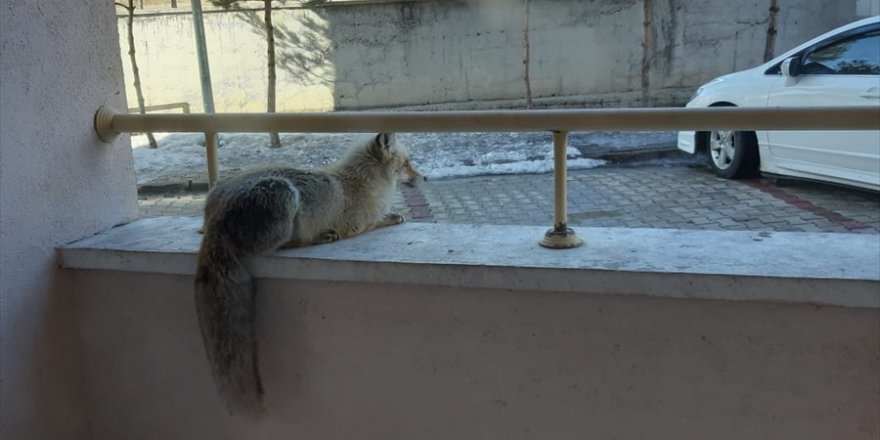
column 732, row 154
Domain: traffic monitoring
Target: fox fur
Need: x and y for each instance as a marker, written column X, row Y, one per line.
column 271, row 208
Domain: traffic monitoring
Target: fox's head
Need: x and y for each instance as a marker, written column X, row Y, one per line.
column 387, row 150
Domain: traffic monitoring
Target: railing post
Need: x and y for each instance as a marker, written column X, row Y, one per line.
column 560, row 236
column 211, row 141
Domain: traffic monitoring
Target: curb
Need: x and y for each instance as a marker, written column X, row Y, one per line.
column 189, row 186
column 650, row 152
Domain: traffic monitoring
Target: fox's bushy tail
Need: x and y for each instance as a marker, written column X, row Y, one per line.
column 245, row 217
column 226, row 309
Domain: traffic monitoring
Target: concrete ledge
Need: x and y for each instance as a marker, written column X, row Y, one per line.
column 831, row 269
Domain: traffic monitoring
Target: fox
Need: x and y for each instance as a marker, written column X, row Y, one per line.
column 272, row 208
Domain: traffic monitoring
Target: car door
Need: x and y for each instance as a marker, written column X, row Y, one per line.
column 841, row 71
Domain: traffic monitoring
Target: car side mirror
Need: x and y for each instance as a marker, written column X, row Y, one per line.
column 791, row 67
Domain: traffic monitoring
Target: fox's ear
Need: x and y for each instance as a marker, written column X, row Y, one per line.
column 385, row 140
column 381, row 145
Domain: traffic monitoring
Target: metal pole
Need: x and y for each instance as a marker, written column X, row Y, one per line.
column 630, row 119
column 202, row 52
column 207, row 92
column 560, row 200
column 560, row 236
column 211, row 141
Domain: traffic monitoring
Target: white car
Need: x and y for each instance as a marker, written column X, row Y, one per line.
column 839, row 68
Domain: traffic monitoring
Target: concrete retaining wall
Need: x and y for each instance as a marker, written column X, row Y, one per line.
column 469, row 54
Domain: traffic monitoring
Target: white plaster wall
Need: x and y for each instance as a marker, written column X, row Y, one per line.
column 468, row 54
column 58, row 183
column 378, row 361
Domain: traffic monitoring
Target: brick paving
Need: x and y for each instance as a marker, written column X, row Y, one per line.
column 679, row 195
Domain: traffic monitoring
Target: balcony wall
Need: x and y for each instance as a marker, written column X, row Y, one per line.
column 443, row 331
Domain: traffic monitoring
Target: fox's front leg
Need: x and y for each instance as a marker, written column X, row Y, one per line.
column 391, row 219
column 327, row 236
column 331, row 235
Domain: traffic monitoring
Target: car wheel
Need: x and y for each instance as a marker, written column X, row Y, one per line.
column 733, row 154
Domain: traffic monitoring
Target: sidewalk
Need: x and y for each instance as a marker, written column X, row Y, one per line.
column 651, row 188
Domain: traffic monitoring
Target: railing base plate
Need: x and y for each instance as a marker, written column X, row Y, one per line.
column 104, row 124
column 561, row 238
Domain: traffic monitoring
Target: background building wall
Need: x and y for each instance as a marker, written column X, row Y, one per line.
column 58, row 183
column 469, row 54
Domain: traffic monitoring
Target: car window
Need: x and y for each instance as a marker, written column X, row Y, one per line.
column 859, row 55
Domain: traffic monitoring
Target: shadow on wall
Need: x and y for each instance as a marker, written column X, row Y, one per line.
column 303, row 49
column 405, row 53
column 343, row 57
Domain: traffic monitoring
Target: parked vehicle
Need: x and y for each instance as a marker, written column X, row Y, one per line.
column 838, row 68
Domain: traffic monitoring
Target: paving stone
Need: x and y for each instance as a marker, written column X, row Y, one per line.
column 627, row 196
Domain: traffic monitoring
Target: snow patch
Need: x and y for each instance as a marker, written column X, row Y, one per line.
column 436, row 155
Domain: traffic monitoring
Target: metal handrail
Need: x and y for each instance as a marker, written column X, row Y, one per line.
column 109, row 124
column 631, row 119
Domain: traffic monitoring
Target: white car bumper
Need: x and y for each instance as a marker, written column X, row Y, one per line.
column 686, row 141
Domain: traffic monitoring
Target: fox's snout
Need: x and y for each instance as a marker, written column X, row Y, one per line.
column 413, row 180
column 409, row 176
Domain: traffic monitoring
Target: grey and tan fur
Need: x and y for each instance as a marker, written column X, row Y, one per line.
column 271, row 208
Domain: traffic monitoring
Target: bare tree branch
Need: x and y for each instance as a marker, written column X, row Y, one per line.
column 527, row 54
column 275, row 140
column 134, row 68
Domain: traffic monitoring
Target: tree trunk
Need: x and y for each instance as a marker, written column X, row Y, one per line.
column 275, row 141
column 134, row 69
column 771, row 31
column 526, row 56
column 647, row 11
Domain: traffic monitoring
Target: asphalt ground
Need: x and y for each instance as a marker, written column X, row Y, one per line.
column 652, row 190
